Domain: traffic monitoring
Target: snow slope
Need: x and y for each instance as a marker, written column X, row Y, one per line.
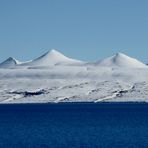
column 77, row 85
column 121, row 60
column 52, row 58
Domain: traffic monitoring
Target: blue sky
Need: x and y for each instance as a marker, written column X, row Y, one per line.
column 83, row 29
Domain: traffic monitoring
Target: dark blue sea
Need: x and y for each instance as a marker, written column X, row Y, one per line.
column 84, row 125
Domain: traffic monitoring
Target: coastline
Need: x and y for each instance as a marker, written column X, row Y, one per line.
column 78, row 103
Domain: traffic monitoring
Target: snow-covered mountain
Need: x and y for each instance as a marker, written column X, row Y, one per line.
column 121, row 60
column 54, row 77
column 52, row 58
column 9, row 63
column 55, row 58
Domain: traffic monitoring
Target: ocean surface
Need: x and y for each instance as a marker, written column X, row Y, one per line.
column 84, row 125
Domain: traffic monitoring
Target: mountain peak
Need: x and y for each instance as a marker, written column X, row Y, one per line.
column 120, row 54
column 121, row 60
column 11, row 59
column 10, row 62
column 52, row 57
column 53, row 51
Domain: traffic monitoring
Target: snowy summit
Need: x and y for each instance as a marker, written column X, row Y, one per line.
column 53, row 77
column 9, row 63
column 121, row 60
column 52, row 58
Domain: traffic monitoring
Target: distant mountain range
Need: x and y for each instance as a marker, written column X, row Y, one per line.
column 53, row 78
column 55, row 58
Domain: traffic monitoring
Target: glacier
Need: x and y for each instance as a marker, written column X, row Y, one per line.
column 54, row 78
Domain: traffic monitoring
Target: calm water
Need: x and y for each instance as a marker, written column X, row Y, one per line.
column 74, row 125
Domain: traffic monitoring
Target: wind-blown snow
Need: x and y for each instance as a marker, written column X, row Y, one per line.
column 54, row 77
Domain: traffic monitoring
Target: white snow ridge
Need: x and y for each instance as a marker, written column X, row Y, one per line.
column 56, row 78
